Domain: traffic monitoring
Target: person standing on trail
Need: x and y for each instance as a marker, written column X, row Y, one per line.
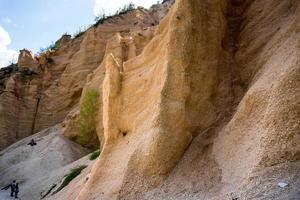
column 16, row 190
column 12, row 188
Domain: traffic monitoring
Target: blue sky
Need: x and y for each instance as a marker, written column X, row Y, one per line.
column 33, row 24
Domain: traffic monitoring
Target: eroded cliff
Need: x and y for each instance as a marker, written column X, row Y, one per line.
column 212, row 77
column 203, row 106
column 44, row 89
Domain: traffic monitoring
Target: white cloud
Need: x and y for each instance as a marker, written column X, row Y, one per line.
column 111, row 6
column 6, row 55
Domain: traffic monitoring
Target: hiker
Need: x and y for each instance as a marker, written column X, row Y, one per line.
column 12, row 188
column 32, row 143
column 16, row 190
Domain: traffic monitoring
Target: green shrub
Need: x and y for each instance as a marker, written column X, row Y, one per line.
column 95, row 154
column 69, row 177
column 86, row 124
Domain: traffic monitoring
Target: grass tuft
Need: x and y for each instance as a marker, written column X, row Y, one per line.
column 69, row 177
column 95, row 154
column 102, row 17
column 80, row 32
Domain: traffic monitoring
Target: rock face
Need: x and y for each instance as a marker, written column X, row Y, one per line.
column 18, row 104
column 137, row 29
column 214, row 78
column 54, row 81
column 203, row 106
column 26, row 60
column 154, row 103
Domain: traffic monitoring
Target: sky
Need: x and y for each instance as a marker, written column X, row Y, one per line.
column 35, row 24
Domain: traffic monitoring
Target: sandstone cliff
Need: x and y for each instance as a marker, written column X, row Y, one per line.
column 216, row 74
column 203, row 106
column 18, row 103
column 45, row 89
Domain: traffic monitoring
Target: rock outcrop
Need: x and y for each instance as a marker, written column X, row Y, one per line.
column 26, row 60
column 209, row 74
column 137, row 29
column 154, row 103
column 55, row 80
column 203, row 106
column 19, row 99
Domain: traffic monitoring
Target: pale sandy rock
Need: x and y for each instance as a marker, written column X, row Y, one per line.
column 45, row 99
column 26, row 60
column 204, row 106
column 18, row 107
column 63, row 41
column 131, row 45
column 64, row 94
column 148, row 121
column 70, row 124
column 187, row 83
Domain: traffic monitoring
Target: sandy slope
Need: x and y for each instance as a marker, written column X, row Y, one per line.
column 38, row 168
column 209, row 110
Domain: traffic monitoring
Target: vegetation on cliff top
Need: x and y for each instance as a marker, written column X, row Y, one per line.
column 52, row 47
column 101, row 17
column 87, row 135
column 79, row 32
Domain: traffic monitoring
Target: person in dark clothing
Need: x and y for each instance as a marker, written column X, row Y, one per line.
column 32, row 143
column 12, row 187
column 16, row 190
